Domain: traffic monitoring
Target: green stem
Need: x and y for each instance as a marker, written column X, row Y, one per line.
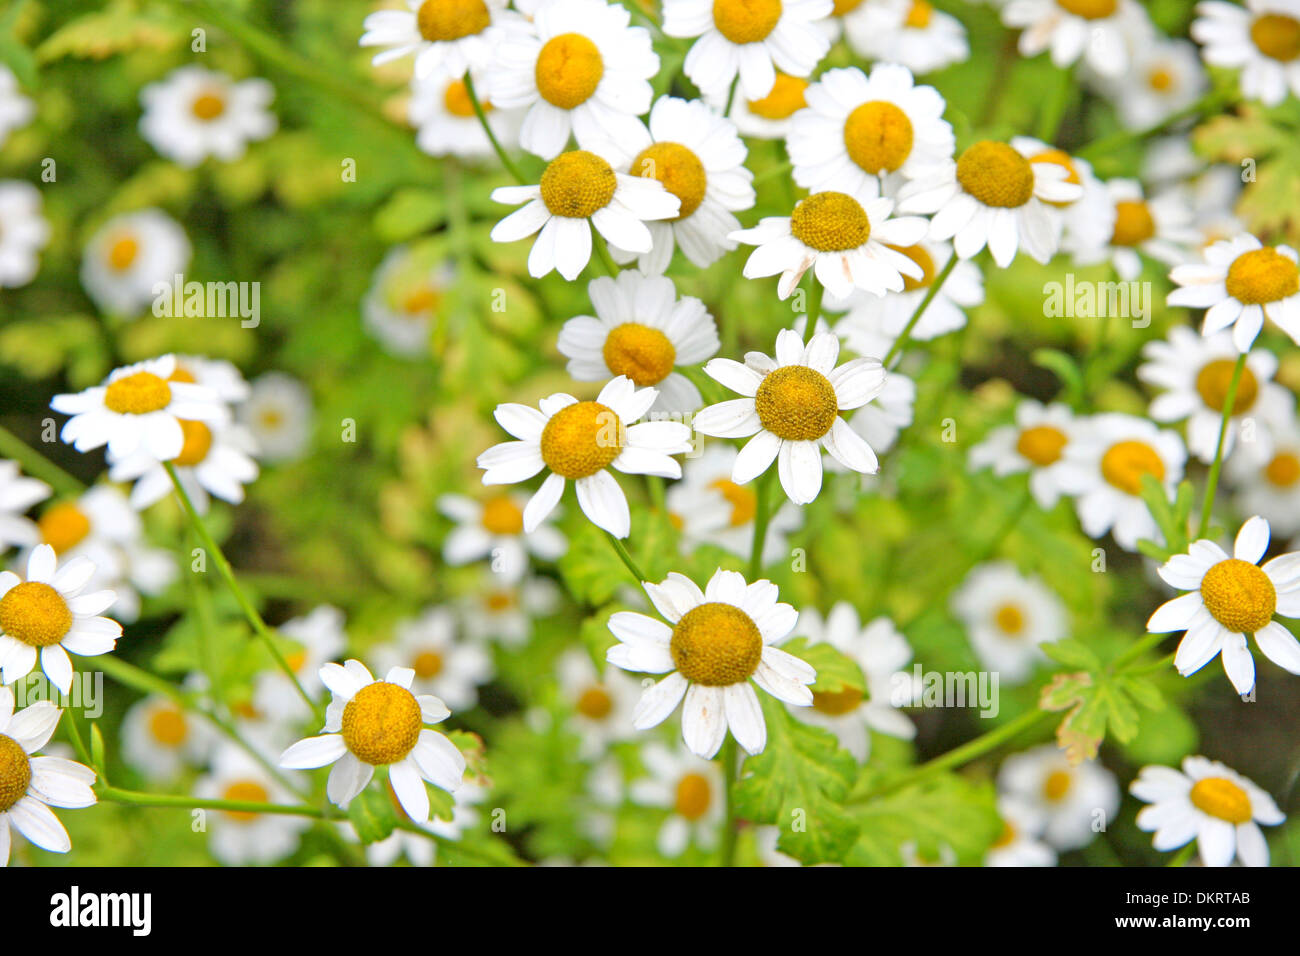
column 506, row 161
column 1183, row 856
column 137, row 799
column 657, row 494
column 930, row 293
column 1209, row 103
column 1135, row 650
column 77, row 743
column 730, row 771
column 762, row 517
column 626, row 558
column 602, row 252
column 1212, row 483
column 815, row 293
column 731, row 94
column 37, row 465
column 780, row 169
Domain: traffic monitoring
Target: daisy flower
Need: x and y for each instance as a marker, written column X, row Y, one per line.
column 138, row 408
column 699, row 158
column 749, row 39
column 16, row 110
column 494, row 528
column 1195, row 372
column 602, row 705
column 372, row 723
column 47, row 614
column 881, row 652
column 643, row 331
column 1269, row 485
column 408, row 293
column 446, row 124
column 23, row 232
column 1007, row 616
column 1095, row 31
column 159, row 739
column 1086, row 222
column 446, row 36
column 279, row 413
column 580, row 191
column 1018, row 844
column 31, row 785
column 504, row 612
column 719, row 639
column 792, row 406
column 767, row 117
column 322, row 639
column 449, row 669
column 993, row 195
column 859, row 133
column 1035, row 444
column 1262, row 38
column 1208, row 802
column 1068, row 798
column 1103, row 466
column 1229, row 599
column 195, row 113
column 578, row 68
column 690, row 789
column 1160, row 228
column 1165, row 77
column 18, row 494
column 129, row 255
column 1241, row 282
column 579, row 442
column 240, row 838
column 911, row 33
column 214, row 461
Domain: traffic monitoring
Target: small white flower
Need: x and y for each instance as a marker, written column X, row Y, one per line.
column 579, row 441
column 16, row 110
column 23, row 232
column 214, row 461
column 1262, row 38
column 911, row 33
column 691, row 789
column 446, row 36
column 1229, row 599
column 159, row 739
column 322, row 638
column 279, row 413
column 1068, row 797
column 719, row 640
column 602, row 704
column 406, row 295
column 1269, row 485
column 1095, row 31
column 447, row 125
column 504, row 612
column 1166, row 76
column 372, row 723
column 195, row 113
column 47, row 615
column 1008, row 616
column 1210, row 803
column 1160, row 228
column 767, row 117
column 1018, row 844
column 238, row 838
column 494, row 528
column 1035, row 443
column 450, row 669
column 129, row 255
column 18, row 494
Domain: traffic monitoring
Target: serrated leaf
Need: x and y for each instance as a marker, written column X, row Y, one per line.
column 940, row 817
column 836, row 671
column 1072, row 653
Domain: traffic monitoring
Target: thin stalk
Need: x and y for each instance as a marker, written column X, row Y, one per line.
column 602, row 253
column 730, row 771
column 1212, row 483
column 762, row 516
column 626, row 558
column 1209, row 103
column 506, row 161
column 930, row 293
column 37, row 465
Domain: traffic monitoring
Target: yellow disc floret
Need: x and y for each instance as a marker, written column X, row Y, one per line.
column 643, row 354
column 1134, row 223
column 1059, row 157
column 830, row 222
column 746, row 21
column 581, row 439
column 1214, row 379
column 167, row 726
column 122, row 253
column 1126, row 462
column 35, row 614
column 577, row 183
column 716, row 644
column 1222, row 799
column 878, row 136
column 996, row 174
column 197, row 443
column 796, row 403
column 919, row 15
column 837, row 703
column 1277, row 36
column 1283, row 471
column 786, row 97
column 679, row 169
column 455, row 99
column 922, row 258
column 693, row 796
column 1010, row 620
column 845, row 6
column 1056, row 785
column 1239, row 596
column 427, row 664
column 1262, row 276
column 569, row 69
column 63, row 526
column 502, row 516
column 137, row 394
column 15, row 773
column 743, row 501
column 208, row 106
column 1089, row 9
column 595, row 703
column 381, row 724
column 1041, row 444
column 245, row 791
column 442, row 20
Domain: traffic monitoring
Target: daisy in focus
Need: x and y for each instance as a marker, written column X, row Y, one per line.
column 691, row 790
column 371, row 724
column 446, row 36
column 1262, row 39
column 1084, row 223
column 195, row 113
column 1229, row 599
column 1035, row 444
column 716, row 641
column 641, row 330
column 1008, row 616
column 791, row 407
column 24, row 232
column 18, row 493
column 129, row 255
column 1095, row 31
column 1068, row 798
column 579, row 442
column 580, row 191
column 494, row 528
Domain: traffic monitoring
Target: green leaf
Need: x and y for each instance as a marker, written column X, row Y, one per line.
column 836, row 671
column 410, row 212
column 1096, row 705
column 1066, row 369
column 97, row 747
column 1072, row 653
column 372, row 814
column 944, row 817
column 593, row 572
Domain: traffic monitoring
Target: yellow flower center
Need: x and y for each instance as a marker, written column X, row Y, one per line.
column 137, row 394
column 1059, row 157
column 716, row 645
column 427, row 664
column 1041, row 444
column 245, row 791
column 1010, row 620
column 577, row 183
column 296, row 661
column 122, row 253
column 1089, row 9
column 743, row 501
column 581, row 439
column 922, row 258
column 1239, row 595
column 595, row 703
column 786, row 97
column 502, row 516
column 878, row 136
column 167, row 726
column 796, row 403
column 422, row 300
column 918, row 17
column 443, row 20
column 746, row 21
column 1057, row 785
column 63, row 526
column 569, row 69
column 1126, row 462
column 1277, row 36
column 456, row 101
column 197, row 444
column 643, row 354
column 679, row 169
column 1212, row 384
column 1160, row 79
column 381, row 724
column 35, row 614
column 996, row 174
column 830, row 222
column 1262, row 275
column 836, row 703
column 15, row 773
column 500, row 601
column 1283, row 471
column 1222, row 799
column 1133, row 223
column 208, row 106
column 693, row 796
column 1006, row 837
column 845, row 6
